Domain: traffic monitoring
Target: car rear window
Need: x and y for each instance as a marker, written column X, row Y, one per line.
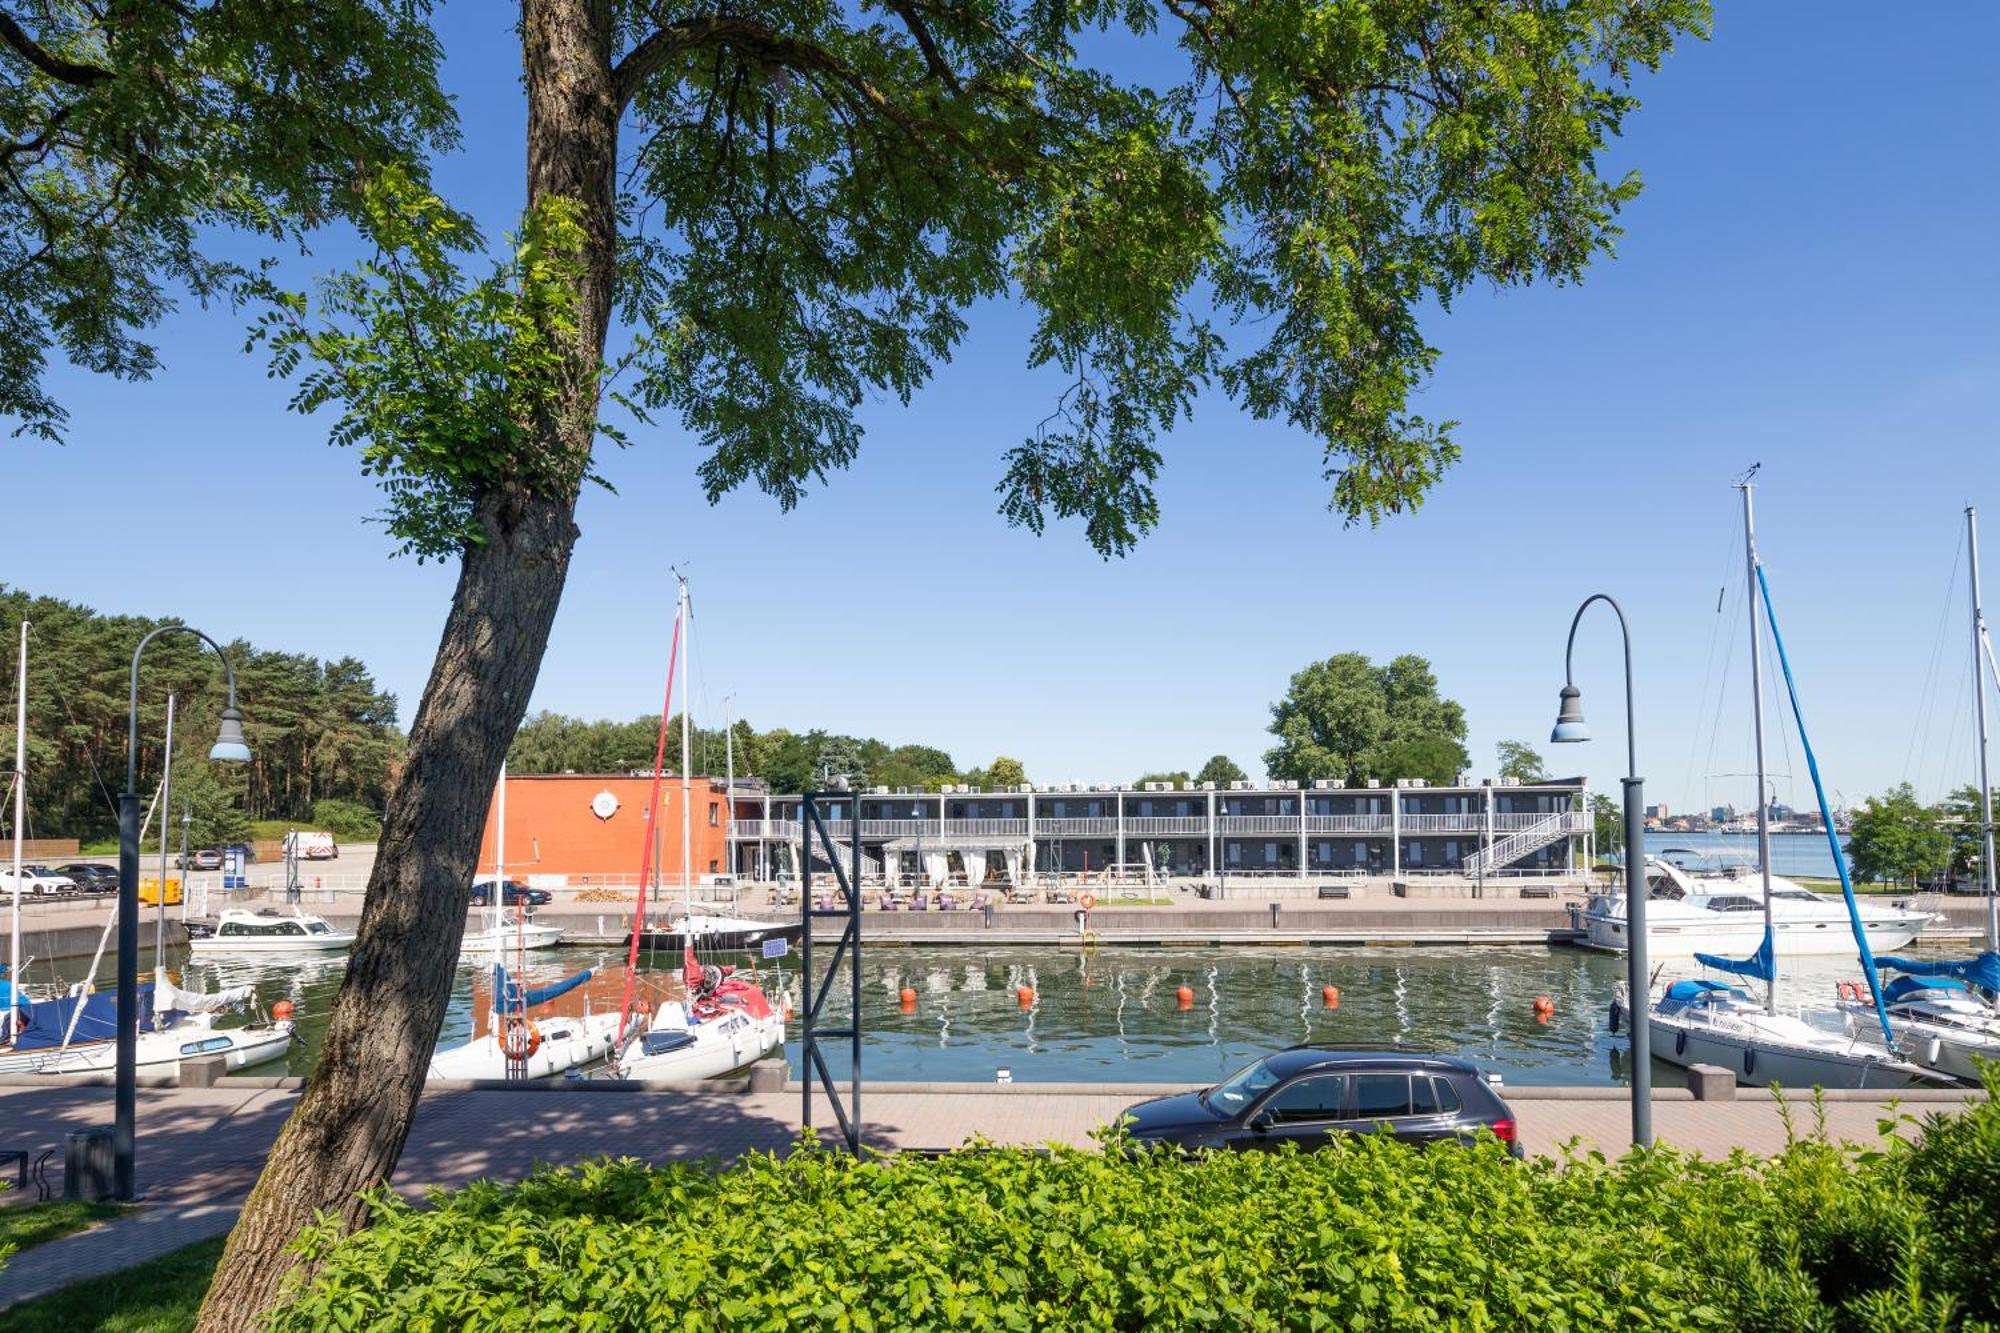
column 1433, row 1096
column 1381, row 1096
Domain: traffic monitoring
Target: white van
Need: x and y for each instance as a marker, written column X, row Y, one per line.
column 311, row 846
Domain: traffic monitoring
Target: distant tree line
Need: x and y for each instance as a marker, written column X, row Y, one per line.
column 1898, row 839
column 319, row 731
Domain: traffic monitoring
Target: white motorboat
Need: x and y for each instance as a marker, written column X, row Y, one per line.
column 77, row 1032
column 519, row 1046
column 506, row 933
column 1938, row 1021
column 265, row 931
column 1723, row 913
column 1699, row 1021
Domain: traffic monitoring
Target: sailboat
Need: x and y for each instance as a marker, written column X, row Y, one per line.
column 516, row 1045
column 1701, row 1021
column 505, row 929
column 1949, row 1011
column 724, row 1022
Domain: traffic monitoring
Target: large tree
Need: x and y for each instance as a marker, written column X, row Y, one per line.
column 1221, row 770
column 788, row 205
column 1521, row 762
column 1897, row 838
column 1349, row 720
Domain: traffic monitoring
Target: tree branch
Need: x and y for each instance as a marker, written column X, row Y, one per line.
column 940, row 68
column 63, row 71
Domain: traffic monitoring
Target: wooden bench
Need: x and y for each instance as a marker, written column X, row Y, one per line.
column 1335, row 891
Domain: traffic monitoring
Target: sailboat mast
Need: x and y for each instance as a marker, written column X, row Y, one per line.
column 20, row 815
column 729, row 781
column 687, row 781
column 166, row 819
column 1757, row 715
column 1979, row 639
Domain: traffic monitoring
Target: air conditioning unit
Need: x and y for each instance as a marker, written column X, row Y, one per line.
column 1242, row 784
column 1208, row 786
column 878, row 791
column 1025, row 787
column 1374, row 782
column 1322, row 784
column 1159, row 786
column 1510, row 782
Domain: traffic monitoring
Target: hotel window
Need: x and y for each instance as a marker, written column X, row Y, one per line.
column 1361, row 853
column 1416, row 853
column 1270, row 853
column 714, row 814
column 1450, row 852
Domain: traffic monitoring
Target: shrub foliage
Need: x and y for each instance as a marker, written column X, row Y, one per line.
column 1365, row 1235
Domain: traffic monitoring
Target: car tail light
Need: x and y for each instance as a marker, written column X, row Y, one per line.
column 1504, row 1130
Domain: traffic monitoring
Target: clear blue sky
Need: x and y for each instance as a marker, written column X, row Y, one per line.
column 1808, row 281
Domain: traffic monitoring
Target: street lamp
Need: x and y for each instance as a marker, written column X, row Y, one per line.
column 229, row 748
column 1570, row 729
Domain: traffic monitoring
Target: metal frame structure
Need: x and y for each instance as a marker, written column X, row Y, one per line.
column 813, row 990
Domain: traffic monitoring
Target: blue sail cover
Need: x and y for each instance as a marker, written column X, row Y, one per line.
column 1983, row 971
column 1903, row 987
column 512, row 998
column 48, row 1020
column 1762, row 965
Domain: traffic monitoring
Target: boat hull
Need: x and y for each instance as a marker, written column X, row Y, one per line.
column 1691, row 1043
column 720, row 1047
column 1796, row 939
column 159, row 1052
column 670, row 938
column 504, row 938
column 566, row 1043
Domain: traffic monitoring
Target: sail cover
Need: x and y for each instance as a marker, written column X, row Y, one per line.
column 510, row 996
column 1983, row 971
column 1762, row 965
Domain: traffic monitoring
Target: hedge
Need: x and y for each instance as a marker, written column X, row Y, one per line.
column 1363, row 1235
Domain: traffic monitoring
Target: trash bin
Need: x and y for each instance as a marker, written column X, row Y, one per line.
column 88, row 1168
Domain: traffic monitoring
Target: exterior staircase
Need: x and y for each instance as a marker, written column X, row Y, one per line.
column 1514, row 846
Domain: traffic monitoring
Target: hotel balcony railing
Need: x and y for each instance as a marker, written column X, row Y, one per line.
column 1579, row 820
column 1075, row 828
column 1457, row 823
column 747, row 830
column 1258, row 824
column 1349, row 823
column 1152, row 826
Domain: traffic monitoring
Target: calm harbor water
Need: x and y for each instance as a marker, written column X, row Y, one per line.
column 1113, row 1015
column 1791, row 853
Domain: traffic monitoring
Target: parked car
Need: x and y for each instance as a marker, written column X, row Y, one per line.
column 1308, row 1093
column 91, row 876
column 36, row 879
column 201, row 858
column 514, row 894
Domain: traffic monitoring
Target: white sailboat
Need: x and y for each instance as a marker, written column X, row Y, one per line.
column 517, row 1045
column 1698, row 1021
column 505, row 930
column 724, row 1022
column 1948, row 1013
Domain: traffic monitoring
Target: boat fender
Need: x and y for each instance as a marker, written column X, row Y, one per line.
column 1681, row 1043
column 1749, row 1060
column 1932, row 1050
column 1617, row 1017
column 1850, row 990
column 521, row 1039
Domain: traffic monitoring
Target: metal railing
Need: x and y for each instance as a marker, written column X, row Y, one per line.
column 1453, row 823
column 1075, row 828
column 1258, row 824
column 1349, row 823
column 1156, row 825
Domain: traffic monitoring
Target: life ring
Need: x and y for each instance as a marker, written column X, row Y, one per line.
column 1086, row 900
column 520, row 1039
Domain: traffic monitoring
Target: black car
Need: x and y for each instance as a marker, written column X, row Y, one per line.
column 514, row 895
column 91, row 876
column 1304, row 1094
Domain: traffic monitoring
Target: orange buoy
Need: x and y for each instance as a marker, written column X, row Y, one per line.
column 1184, row 997
column 1024, row 996
column 1542, row 1016
column 1330, row 996
column 283, row 1010
column 909, row 999
column 1544, row 1005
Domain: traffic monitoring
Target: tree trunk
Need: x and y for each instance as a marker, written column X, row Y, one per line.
column 351, row 1123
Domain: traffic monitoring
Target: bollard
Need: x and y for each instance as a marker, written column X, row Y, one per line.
column 1275, row 909
column 202, row 1071
column 769, row 1076
column 87, row 1165
column 987, row 912
column 1712, row 1083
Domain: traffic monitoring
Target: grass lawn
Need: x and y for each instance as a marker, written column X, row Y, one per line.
column 35, row 1224
column 157, row 1297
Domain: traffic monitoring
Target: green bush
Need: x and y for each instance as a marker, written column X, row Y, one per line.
column 347, row 821
column 1365, row 1235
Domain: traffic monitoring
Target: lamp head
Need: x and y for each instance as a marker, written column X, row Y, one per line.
column 230, row 747
column 1570, row 726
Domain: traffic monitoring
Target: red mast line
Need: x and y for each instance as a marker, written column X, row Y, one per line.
column 652, row 814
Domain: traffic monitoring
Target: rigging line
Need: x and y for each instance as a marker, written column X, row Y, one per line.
column 1961, row 725
column 1708, row 675
column 1926, row 699
column 1826, row 819
column 1722, row 691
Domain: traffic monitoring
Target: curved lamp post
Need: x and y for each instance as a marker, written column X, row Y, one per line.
column 1570, row 729
column 230, row 748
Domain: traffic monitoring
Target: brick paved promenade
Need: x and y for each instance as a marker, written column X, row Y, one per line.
column 200, row 1148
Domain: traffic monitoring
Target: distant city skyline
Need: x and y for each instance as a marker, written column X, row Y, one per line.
column 1807, row 282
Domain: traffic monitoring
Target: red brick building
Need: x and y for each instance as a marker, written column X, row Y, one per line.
column 582, row 824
